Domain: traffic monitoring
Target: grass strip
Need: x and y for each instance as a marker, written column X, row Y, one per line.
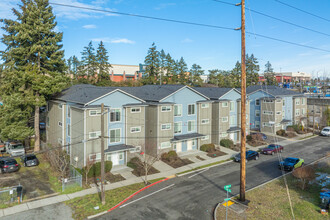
column 204, row 166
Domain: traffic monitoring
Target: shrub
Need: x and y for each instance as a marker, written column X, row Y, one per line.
column 249, row 138
column 280, row 132
column 96, row 169
column 168, row 156
column 207, row 147
column 227, row 143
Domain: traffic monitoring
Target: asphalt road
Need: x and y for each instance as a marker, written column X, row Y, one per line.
column 195, row 196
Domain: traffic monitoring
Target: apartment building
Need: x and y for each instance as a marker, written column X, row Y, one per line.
column 318, row 111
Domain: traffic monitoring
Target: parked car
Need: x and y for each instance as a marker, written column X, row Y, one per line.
column 15, row 149
column 29, row 160
column 42, row 125
column 272, row 149
column 325, row 131
column 264, row 137
column 250, row 155
column 290, row 163
column 8, row 164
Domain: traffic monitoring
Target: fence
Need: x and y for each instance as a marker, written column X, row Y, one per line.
column 11, row 194
column 74, row 180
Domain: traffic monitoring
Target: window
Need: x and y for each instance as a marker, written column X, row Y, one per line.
column 191, row 109
column 303, row 101
column 191, row 126
column 177, row 110
column 205, row 121
column 135, row 149
column 115, row 115
column 166, row 126
column 135, row 110
column 224, row 119
column 205, row 105
column 267, row 113
column 257, row 113
column 283, row 114
column 257, row 124
column 115, row 135
column 165, row 145
column 266, row 124
column 297, row 101
column 232, row 106
column 224, row 104
column 232, row 120
column 135, row 129
column 69, row 130
column 297, row 112
column 206, row 137
column 60, row 106
column 278, row 113
column 257, row 102
column 94, row 112
column 302, row 111
column 47, row 121
column 60, row 123
column 94, row 134
column 224, row 134
column 69, row 112
column 278, row 100
column 174, row 146
column 177, row 127
column 95, row 157
column 193, row 142
column 268, row 101
column 166, row 108
column 121, row 156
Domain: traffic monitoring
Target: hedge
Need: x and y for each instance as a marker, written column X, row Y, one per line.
column 227, row 143
column 96, row 169
column 280, row 132
column 207, row 147
column 249, row 138
column 171, row 155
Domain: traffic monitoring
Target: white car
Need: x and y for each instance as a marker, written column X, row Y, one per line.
column 325, row 131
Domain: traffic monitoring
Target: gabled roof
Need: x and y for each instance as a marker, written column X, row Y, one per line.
column 272, row 90
column 213, row 92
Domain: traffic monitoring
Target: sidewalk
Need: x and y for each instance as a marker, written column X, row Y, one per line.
column 168, row 171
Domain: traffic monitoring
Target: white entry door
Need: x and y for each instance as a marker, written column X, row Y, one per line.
column 189, row 145
column 115, row 159
column 178, row 147
column 232, row 136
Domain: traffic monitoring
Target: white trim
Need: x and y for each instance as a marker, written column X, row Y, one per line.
column 174, row 110
column 97, row 133
column 63, row 127
column 207, row 121
column 230, row 106
column 194, row 130
column 120, row 111
column 180, row 126
column 225, row 102
column 226, row 117
column 97, row 112
column 115, row 135
column 85, row 138
column 161, row 108
column 193, row 90
column 139, row 127
column 208, row 105
column 135, row 111
column 194, row 109
column 166, row 125
column 165, row 142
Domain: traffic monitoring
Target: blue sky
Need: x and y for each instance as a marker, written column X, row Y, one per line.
column 128, row 38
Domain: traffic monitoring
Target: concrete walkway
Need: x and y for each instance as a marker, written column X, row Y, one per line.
column 166, row 171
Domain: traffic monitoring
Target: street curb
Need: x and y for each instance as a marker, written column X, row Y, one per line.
column 215, row 211
column 131, row 196
column 193, row 171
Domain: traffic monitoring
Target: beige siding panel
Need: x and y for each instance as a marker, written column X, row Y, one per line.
column 77, row 137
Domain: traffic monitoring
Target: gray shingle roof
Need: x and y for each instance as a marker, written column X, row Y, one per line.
column 273, row 90
column 213, row 92
column 186, row 137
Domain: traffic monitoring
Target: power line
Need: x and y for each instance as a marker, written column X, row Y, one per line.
column 298, row 9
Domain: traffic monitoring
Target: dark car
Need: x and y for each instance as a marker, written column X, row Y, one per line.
column 29, row 160
column 290, row 163
column 264, row 137
column 272, row 149
column 8, row 165
column 250, row 155
column 42, row 125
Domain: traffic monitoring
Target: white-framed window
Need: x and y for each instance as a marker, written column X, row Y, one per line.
column 94, row 134
column 257, row 113
column 232, row 120
column 205, row 121
column 224, row 104
column 69, row 112
column 278, row 100
column 166, row 108
column 257, row 124
column 60, row 106
column 283, row 102
column 267, row 112
column 283, row 114
column 303, row 111
column 224, row 119
column 115, row 135
column 177, row 127
column 191, row 109
column 121, row 155
column 278, row 112
column 174, row 146
column 178, row 110
column 136, row 110
column 193, row 142
column 136, row 129
column 223, row 134
column 297, row 112
column 166, row 126
column 135, row 149
column 297, row 101
column 257, row 101
column 69, row 130
column 206, row 137
column 191, row 126
column 268, row 100
column 165, row 145
column 205, row 105
column 115, row 115
column 60, row 123
column 266, row 124
column 232, row 106
column 94, row 112
column 303, row 101
column 95, row 157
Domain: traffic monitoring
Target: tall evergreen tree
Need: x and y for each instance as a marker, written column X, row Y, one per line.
column 182, row 69
column 75, row 65
column 252, row 69
column 152, row 63
column 195, row 75
column 33, row 64
column 269, row 74
column 213, row 77
column 102, row 60
column 88, row 61
column 235, row 76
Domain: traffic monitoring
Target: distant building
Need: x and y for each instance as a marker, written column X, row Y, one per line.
column 318, row 110
column 205, row 78
column 120, row 73
column 289, row 77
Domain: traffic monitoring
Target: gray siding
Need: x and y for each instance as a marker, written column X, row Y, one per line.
column 223, row 126
column 205, row 129
column 165, row 135
column 151, row 130
column 77, row 137
column 54, row 132
column 215, row 122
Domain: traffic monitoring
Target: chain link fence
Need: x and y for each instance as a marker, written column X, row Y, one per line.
column 11, row 194
column 74, row 179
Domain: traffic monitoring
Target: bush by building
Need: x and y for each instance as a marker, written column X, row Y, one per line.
column 227, row 143
column 207, row 147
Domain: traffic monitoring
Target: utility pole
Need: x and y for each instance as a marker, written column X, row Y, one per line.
column 243, row 105
column 102, row 155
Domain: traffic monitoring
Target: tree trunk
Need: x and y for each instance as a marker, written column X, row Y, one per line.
column 146, row 173
column 36, row 127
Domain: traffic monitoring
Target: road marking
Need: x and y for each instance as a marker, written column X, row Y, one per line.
column 147, row 195
column 198, row 173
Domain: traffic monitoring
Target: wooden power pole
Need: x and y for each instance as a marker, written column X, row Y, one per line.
column 243, row 105
column 102, row 155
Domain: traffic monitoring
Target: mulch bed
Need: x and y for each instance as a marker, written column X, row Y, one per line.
column 256, row 143
column 216, row 153
column 199, row 158
column 112, row 178
column 177, row 162
column 138, row 169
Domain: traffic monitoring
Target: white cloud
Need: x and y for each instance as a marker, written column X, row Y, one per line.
column 187, row 40
column 89, row 26
column 114, row 41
